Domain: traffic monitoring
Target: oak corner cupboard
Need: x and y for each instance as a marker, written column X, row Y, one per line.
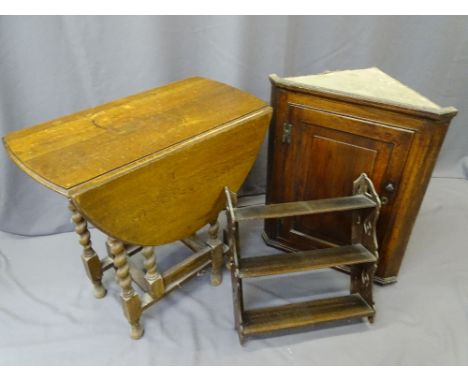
column 329, row 128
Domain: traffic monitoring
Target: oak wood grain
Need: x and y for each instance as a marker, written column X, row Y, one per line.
column 302, row 261
column 298, row 315
column 74, row 149
column 306, row 207
column 335, row 137
column 179, row 191
column 149, row 169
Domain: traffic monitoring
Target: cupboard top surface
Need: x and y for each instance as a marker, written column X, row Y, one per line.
column 369, row 84
column 80, row 147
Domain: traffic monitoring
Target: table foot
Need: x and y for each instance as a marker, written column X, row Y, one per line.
column 99, row 290
column 136, row 331
column 131, row 302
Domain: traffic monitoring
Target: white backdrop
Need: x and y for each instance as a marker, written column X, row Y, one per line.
column 51, row 66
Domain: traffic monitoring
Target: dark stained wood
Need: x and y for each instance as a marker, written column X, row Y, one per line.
column 335, row 137
column 268, row 265
column 298, row 315
column 361, row 256
column 308, row 207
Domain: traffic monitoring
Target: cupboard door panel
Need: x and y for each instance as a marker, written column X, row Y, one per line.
column 340, row 149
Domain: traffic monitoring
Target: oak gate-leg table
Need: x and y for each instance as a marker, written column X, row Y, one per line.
column 148, row 170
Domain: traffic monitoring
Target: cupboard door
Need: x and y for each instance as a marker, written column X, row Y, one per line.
column 325, row 154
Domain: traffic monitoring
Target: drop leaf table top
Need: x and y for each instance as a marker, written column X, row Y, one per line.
column 148, row 169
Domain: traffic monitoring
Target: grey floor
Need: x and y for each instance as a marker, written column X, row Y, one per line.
column 48, row 315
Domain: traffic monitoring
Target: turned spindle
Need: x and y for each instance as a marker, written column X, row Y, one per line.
column 152, row 276
column 130, row 300
column 90, row 259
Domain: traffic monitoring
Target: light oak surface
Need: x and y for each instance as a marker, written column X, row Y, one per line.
column 74, row 149
column 149, row 169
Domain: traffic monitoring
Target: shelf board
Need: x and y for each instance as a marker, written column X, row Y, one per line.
column 304, row 261
column 309, row 207
column 298, row 315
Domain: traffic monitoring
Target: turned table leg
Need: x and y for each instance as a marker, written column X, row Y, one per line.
column 130, row 300
column 90, row 259
column 152, row 276
column 216, row 253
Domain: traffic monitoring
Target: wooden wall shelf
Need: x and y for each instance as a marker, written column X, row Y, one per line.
column 360, row 256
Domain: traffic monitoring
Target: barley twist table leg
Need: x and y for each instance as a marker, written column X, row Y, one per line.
column 130, row 300
column 90, row 259
column 216, row 253
column 152, row 276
